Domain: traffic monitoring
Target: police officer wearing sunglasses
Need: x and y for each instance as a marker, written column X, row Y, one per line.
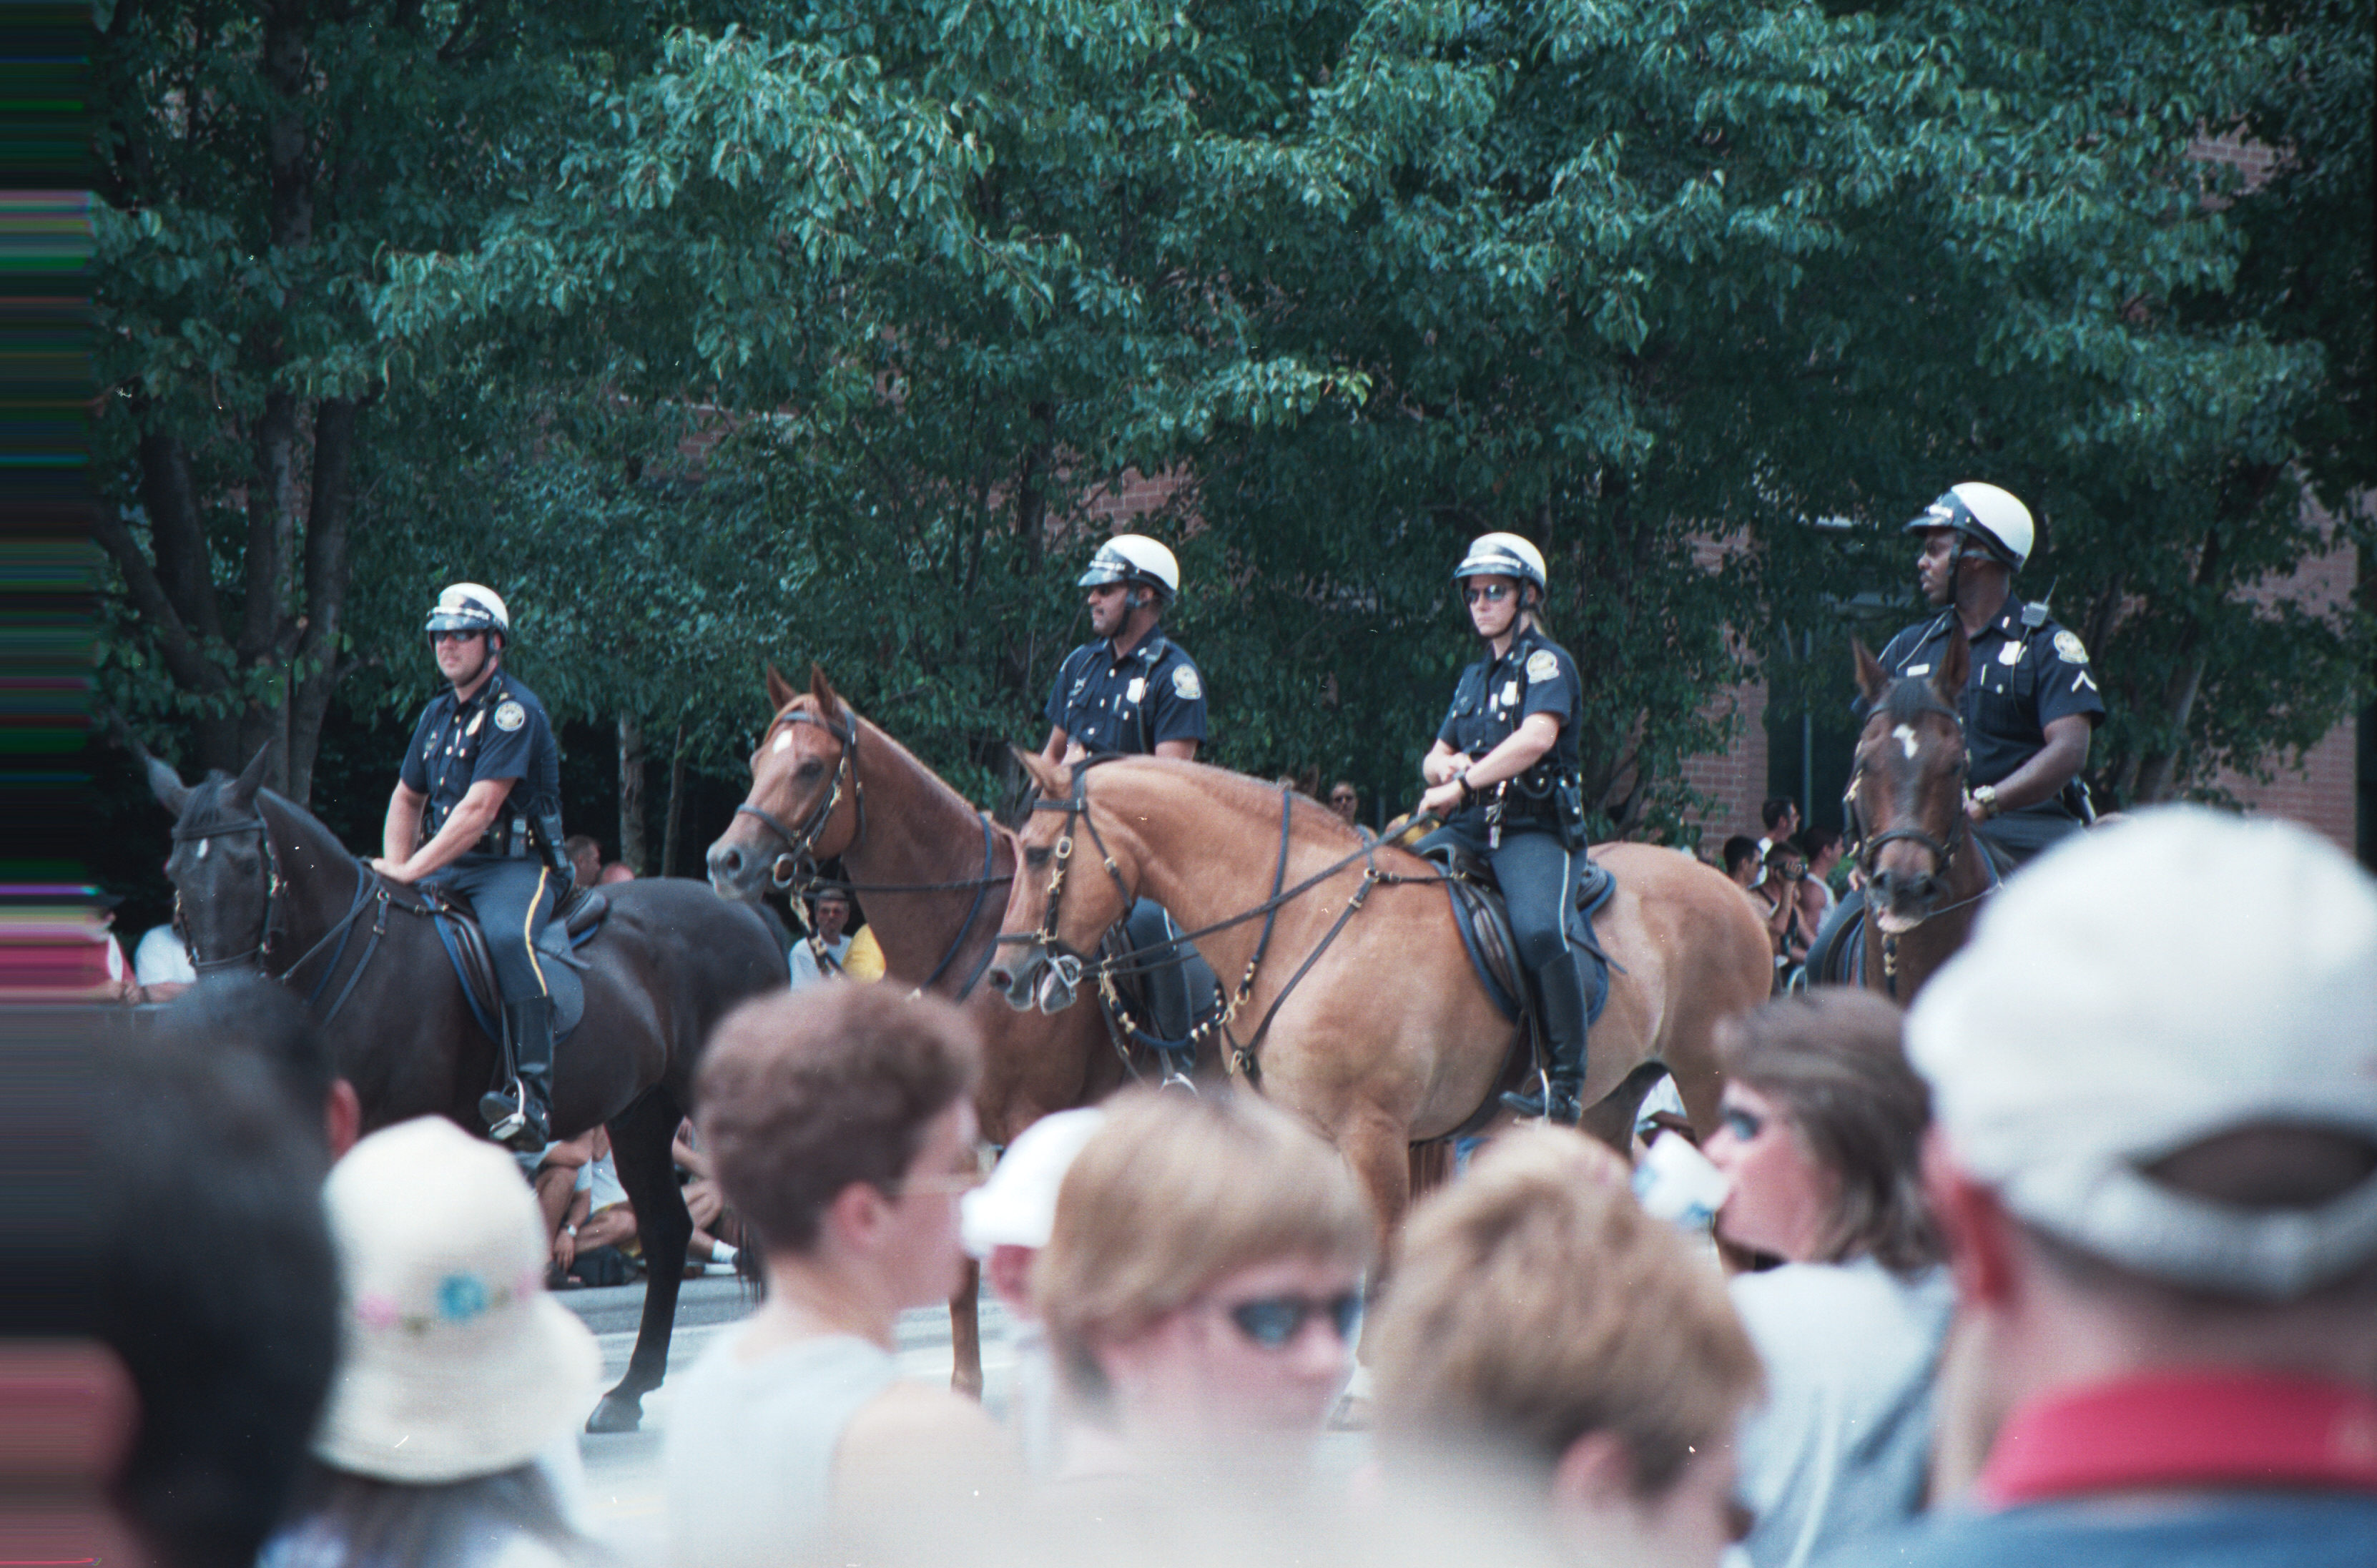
column 477, row 808
column 1503, row 775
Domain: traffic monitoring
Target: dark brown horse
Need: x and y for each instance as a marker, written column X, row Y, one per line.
column 1926, row 873
column 933, row 872
column 260, row 884
column 1378, row 1029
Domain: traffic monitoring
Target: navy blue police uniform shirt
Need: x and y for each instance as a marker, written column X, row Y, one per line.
column 500, row 733
column 1495, row 696
column 2024, row 678
column 1133, row 703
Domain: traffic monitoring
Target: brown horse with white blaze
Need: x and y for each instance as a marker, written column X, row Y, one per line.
column 1927, row 872
column 1389, row 1038
column 933, row 872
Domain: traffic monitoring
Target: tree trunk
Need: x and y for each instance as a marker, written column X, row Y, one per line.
column 315, row 672
column 673, row 817
column 631, row 793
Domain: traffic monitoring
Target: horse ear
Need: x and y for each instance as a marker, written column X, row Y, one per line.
column 1055, row 780
column 166, row 784
column 1871, row 678
column 780, row 691
column 829, row 701
column 251, row 779
column 1955, row 665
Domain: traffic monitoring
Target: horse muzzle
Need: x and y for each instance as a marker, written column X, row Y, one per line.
column 1033, row 978
column 1902, row 901
column 737, row 872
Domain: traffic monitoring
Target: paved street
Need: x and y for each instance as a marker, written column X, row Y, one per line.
column 623, row 1473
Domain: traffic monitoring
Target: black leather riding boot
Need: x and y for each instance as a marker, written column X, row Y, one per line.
column 520, row 1116
column 1563, row 994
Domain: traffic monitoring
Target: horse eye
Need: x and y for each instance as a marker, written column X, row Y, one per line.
column 1036, row 856
column 810, row 770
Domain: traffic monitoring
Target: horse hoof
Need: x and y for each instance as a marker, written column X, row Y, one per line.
column 618, row 1412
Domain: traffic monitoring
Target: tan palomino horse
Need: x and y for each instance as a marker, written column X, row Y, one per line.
column 933, row 874
column 1389, row 1038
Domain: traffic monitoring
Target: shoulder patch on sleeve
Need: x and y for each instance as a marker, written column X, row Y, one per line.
column 2069, row 648
column 511, row 715
column 1184, row 683
column 1543, row 665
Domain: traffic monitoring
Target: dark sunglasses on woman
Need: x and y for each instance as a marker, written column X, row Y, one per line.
column 1274, row 1322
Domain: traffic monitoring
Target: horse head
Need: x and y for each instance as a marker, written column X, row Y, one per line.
column 226, row 879
column 1054, row 922
column 801, row 776
column 1907, row 790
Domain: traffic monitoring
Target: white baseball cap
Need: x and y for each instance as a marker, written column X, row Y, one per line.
column 1017, row 1208
column 2139, row 990
column 454, row 1362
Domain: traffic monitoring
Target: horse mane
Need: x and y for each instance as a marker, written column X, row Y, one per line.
column 1246, row 793
column 204, row 809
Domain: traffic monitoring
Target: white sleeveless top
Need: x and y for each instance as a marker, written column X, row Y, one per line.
column 750, row 1447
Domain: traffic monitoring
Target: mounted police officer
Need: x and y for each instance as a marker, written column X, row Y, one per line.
column 1136, row 692
column 1133, row 690
column 1503, row 775
column 2031, row 703
column 481, row 780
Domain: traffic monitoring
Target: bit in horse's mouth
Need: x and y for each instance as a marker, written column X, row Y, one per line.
column 1055, row 995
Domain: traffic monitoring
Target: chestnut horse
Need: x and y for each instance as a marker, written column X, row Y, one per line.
column 1361, row 1010
column 933, row 872
column 1926, row 873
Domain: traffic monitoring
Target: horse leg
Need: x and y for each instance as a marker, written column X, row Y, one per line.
column 1612, row 1120
column 1377, row 1148
column 965, row 1334
column 640, row 1140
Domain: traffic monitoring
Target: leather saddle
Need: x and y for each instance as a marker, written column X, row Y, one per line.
column 570, row 927
column 1484, row 922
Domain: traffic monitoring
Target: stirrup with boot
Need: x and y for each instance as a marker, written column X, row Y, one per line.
column 1563, row 1103
column 520, row 1115
column 1562, row 1100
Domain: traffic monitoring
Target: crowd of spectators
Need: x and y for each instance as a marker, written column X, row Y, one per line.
column 2074, row 1263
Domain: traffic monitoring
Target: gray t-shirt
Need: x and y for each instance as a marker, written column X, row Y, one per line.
column 1841, row 1446
column 748, row 1461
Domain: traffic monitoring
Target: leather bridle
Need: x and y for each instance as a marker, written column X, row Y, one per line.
column 797, row 864
column 263, row 831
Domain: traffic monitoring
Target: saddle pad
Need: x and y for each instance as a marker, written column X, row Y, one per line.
column 467, row 950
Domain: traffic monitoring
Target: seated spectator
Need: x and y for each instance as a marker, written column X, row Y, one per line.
column 161, row 964
column 214, row 1300
column 2159, row 1180
column 456, row 1370
column 1346, row 801
column 714, row 1224
column 1545, row 1330
column 1822, row 1134
column 1005, row 1224
column 585, row 858
column 1201, row 1290
column 1744, row 859
column 821, row 954
column 841, row 1128
column 1777, row 892
column 598, row 1242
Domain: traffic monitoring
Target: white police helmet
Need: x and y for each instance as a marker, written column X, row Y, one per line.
column 1133, row 558
column 1990, row 518
column 468, row 607
column 1504, row 555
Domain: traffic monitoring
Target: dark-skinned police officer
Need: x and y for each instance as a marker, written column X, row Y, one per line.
column 482, row 778
column 2031, row 703
column 1134, row 691
column 1504, row 776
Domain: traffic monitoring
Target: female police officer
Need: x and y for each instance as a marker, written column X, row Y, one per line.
column 1504, row 776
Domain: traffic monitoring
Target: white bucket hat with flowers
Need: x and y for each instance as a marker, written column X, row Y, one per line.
column 454, row 1361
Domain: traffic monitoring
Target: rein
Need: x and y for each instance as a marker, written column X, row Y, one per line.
column 1071, row 964
column 370, row 891
column 795, row 869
